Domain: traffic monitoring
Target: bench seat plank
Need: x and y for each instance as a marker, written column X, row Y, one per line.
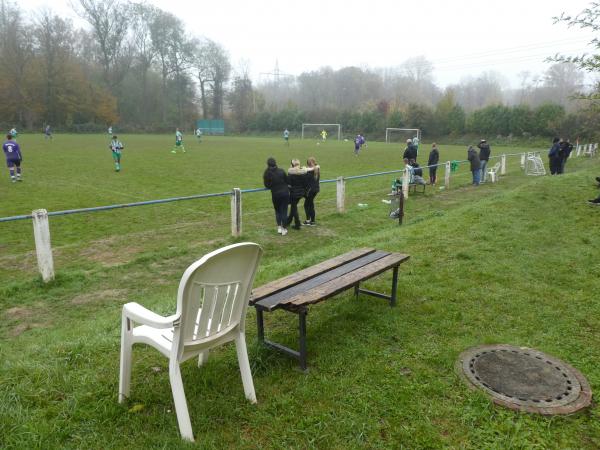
column 306, row 274
column 274, row 301
column 337, row 285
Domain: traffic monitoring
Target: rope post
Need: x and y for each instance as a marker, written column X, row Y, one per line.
column 503, row 165
column 236, row 212
column 341, row 194
column 43, row 249
column 447, row 176
column 405, row 183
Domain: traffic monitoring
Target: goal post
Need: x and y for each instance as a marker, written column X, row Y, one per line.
column 320, row 127
column 411, row 132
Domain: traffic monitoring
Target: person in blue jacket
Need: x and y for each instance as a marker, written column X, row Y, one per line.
column 554, row 156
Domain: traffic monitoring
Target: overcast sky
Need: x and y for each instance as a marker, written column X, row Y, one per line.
column 460, row 37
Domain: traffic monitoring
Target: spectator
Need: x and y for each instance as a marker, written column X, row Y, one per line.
column 313, row 189
column 275, row 179
column 410, row 152
column 434, row 157
column 417, row 173
column 554, row 157
column 298, row 183
column 565, row 151
column 473, row 158
column 484, row 156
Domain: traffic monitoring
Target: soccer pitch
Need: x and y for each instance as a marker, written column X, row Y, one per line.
column 488, row 265
column 77, row 171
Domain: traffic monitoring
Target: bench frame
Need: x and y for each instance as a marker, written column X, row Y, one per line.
column 414, row 186
column 302, row 311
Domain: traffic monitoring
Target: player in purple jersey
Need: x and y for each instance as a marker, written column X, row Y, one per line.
column 13, row 158
column 357, row 144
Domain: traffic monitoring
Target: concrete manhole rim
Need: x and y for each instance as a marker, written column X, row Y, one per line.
column 581, row 401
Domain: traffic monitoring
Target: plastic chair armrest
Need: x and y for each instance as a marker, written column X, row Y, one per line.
column 144, row 316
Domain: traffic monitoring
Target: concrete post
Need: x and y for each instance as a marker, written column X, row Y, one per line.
column 447, row 175
column 43, row 249
column 341, row 195
column 236, row 212
column 405, row 183
column 503, row 165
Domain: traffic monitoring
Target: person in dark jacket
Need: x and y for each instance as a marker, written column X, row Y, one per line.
column 484, row 156
column 473, row 158
column 313, row 178
column 565, row 151
column 410, row 152
column 276, row 180
column 298, row 183
column 554, row 157
column 434, row 157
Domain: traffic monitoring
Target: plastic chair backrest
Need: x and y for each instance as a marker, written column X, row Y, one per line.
column 214, row 293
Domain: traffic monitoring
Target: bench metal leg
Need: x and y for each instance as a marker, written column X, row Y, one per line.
column 260, row 326
column 299, row 355
column 391, row 298
column 394, row 286
column 302, row 332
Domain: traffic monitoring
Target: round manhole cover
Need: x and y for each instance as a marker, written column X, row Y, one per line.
column 526, row 379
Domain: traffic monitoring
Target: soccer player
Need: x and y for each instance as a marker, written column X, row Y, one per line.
column 324, row 135
column 110, row 130
column 13, row 133
column 286, row 137
column 357, row 145
column 199, row 134
column 48, row 132
column 178, row 142
column 116, row 147
column 363, row 141
column 12, row 151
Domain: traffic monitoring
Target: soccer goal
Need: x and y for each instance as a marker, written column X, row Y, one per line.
column 314, row 130
column 401, row 134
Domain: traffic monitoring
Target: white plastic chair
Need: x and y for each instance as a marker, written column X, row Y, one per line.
column 211, row 309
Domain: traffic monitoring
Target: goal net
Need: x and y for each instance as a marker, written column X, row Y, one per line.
column 315, row 130
column 393, row 135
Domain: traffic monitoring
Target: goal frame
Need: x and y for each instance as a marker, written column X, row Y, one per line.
column 387, row 133
column 339, row 132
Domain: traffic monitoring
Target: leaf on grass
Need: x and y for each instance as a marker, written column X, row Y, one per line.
column 136, row 408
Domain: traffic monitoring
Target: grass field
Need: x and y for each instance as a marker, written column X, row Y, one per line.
column 515, row 262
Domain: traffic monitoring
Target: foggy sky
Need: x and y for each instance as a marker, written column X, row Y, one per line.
column 462, row 38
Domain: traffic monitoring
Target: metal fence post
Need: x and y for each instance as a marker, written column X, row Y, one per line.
column 43, row 249
column 236, row 212
column 447, row 175
column 503, row 165
column 341, row 194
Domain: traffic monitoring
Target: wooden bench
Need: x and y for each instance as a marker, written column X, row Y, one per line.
column 296, row 292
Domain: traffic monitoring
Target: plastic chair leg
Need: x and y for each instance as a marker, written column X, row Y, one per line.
column 203, row 357
column 181, row 408
column 125, row 364
column 242, row 353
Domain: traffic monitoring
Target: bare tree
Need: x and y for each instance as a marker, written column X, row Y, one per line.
column 142, row 18
column 109, row 21
column 54, row 39
column 16, row 51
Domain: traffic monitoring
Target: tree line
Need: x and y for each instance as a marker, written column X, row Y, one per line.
column 137, row 66
column 134, row 64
